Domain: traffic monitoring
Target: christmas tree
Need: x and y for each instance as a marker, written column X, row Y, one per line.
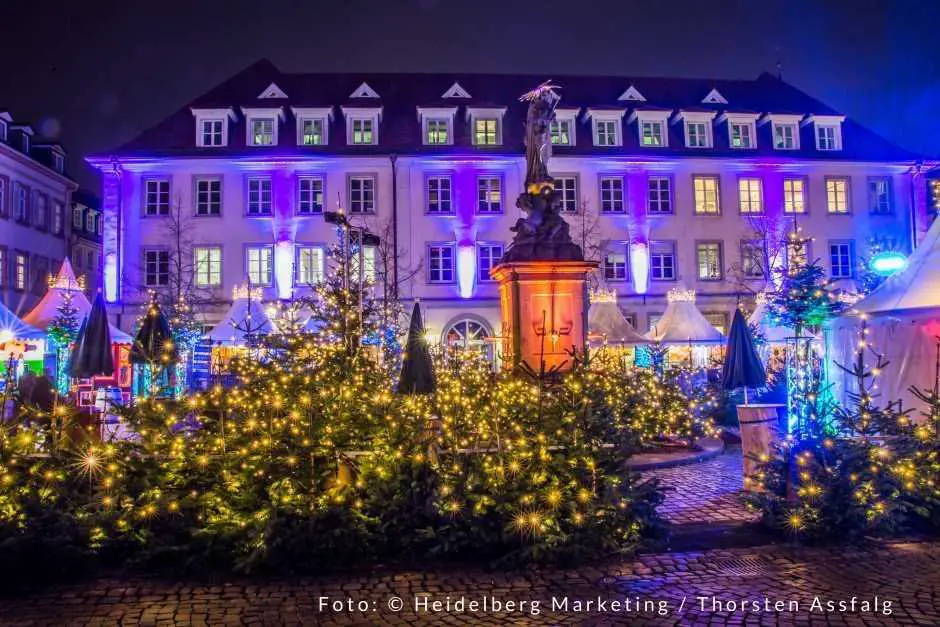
column 62, row 332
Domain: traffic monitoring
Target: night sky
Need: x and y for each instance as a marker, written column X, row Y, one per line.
column 92, row 74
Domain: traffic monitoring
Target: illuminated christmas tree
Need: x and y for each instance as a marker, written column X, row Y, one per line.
column 62, row 331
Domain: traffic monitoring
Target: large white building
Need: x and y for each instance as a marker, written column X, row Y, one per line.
column 34, row 227
column 666, row 182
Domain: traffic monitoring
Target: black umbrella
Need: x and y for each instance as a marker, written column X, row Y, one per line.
column 417, row 374
column 150, row 342
column 92, row 355
column 743, row 367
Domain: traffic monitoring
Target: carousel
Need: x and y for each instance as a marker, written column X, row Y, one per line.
column 22, row 348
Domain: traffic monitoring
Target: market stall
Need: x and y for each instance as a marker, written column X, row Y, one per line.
column 688, row 335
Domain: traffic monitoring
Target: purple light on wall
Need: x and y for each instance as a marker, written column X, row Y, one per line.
column 466, row 269
column 640, row 266
column 284, row 268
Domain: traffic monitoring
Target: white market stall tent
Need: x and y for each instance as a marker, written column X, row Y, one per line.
column 607, row 324
column 245, row 319
column 903, row 318
column 683, row 325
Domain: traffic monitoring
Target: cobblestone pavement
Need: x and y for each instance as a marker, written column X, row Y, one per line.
column 708, row 492
column 902, row 578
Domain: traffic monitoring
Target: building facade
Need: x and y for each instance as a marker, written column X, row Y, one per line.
column 666, row 182
column 85, row 240
column 34, row 228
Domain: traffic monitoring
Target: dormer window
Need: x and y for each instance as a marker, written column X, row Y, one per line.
column 312, row 125
column 362, row 126
column 58, row 162
column 742, row 130
column 437, row 131
column 563, row 128
column 212, row 127
column 828, row 131
column 651, row 126
column 25, row 143
column 262, row 126
column 698, row 128
column 487, row 125
column 785, row 130
column 363, row 131
column 606, row 126
column 437, row 125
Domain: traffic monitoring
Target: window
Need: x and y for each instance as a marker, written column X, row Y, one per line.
column 706, row 195
column 606, row 133
column 90, row 222
column 40, row 272
column 752, row 259
column 438, row 132
column 828, row 137
column 20, row 271
column 259, row 197
column 310, row 195
column 837, row 195
column 697, row 135
column 663, row 261
column 489, row 194
column 311, row 132
column 567, row 189
column 797, row 254
column 708, row 260
column 485, row 131
column 468, row 335
column 363, row 131
column 156, row 268
column 750, row 196
column 208, row 197
column 842, row 259
column 77, row 218
column 615, row 263
column 3, row 130
column 259, row 265
column 361, row 194
column 58, row 217
column 368, row 264
column 488, row 256
column 879, row 195
column 157, row 197
column 439, row 197
column 652, row 133
column 58, row 162
column 310, row 265
column 441, row 263
column 658, row 195
column 3, row 266
column 742, row 134
column 207, row 265
column 211, row 133
column 612, row 194
column 19, row 202
column 40, row 211
column 3, row 196
column 785, row 136
column 794, row 196
column 261, row 131
column 561, row 132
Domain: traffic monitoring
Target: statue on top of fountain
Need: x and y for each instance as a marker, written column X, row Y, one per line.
column 542, row 234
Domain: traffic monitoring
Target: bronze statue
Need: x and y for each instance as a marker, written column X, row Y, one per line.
column 538, row 132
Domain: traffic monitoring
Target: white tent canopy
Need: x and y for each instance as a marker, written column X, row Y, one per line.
column 760, row 318
column 245, row 316
column 45, row 311
column 11, row 327
column 903, row 317
column 606, row 322
column 683, row 323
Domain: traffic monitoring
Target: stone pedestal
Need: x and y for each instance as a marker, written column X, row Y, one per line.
column 759, row 430
column 544, row 306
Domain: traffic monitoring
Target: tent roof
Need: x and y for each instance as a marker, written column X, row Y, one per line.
column 683, row 323
column 606, row 320
column 915, row 287
column 235, row 325
column 9, row 322
column 45, row 311
column 760, row 318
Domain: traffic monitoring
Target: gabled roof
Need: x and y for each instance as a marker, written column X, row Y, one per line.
column 400, row 94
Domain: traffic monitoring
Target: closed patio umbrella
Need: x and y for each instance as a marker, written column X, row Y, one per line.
column 417, row 374
column 742, row 367
column 92, row 355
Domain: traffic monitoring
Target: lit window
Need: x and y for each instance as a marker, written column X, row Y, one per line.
column 750, row 196
column 207, row 265
column 439, row 198
column 662, row 261
column 615, row 264
column 708, row 258
column 879, row 195
column 261, row 131
column 706, row 195
column 438, row 132
column 368, row 264
column 20, row 270
column 211, row 133
column 785, row 136
column 837, row 195
column 310, row 195
column 441, row 263
column 612, row 194
column 659, row 195
column 157, row 198
column 156, row 268
column 651, row 133
column 468, row 335
column 605, row 133
column 697, row 135
column 208, row 197
column 485, row 131
column 259, row 197
column 828, row 137
column 363, row 131
column 20, row 196
column 361, row 194
column 310, row 265
column 841, row 259
column 489, row 194
column 567, row 189
column 259, row 262
column 742, row 134
column 752, row 259
column 488, row 256
column 561, row 132
column 311, row 132
column 794, row 196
